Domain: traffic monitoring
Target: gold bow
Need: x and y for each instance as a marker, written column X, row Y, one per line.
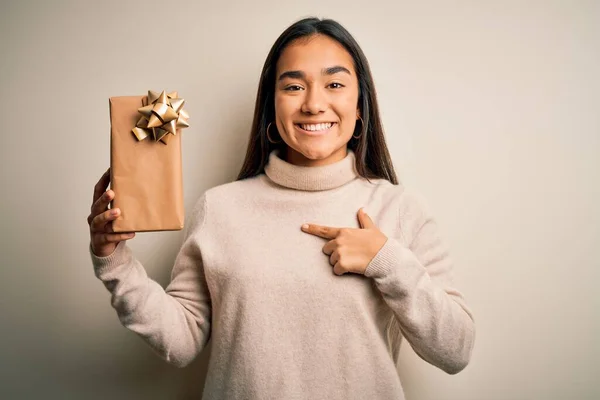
column 162, row 114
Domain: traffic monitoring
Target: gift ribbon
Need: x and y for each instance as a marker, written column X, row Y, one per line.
column 162, row 114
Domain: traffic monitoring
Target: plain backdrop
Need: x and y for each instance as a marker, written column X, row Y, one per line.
column 491, row 111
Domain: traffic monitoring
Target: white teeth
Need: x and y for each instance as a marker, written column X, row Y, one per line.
column 316, row 127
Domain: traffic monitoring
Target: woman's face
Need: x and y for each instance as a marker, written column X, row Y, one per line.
column 316, row 100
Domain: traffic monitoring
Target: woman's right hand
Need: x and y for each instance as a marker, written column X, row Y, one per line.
column 103, row 239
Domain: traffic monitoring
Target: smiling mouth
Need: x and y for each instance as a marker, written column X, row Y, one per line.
column 315, row 129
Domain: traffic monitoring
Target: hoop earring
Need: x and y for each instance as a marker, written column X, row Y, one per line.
column 362, row 126
column 268, row 136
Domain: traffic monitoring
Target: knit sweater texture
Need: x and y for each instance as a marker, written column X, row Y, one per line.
column 282, row 324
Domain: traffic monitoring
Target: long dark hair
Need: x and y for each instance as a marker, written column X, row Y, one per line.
column 372, row 156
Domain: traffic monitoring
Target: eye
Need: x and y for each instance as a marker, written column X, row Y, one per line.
column 293, row 88
column 336, row 85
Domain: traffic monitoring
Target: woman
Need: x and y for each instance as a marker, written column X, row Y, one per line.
column 307, row 270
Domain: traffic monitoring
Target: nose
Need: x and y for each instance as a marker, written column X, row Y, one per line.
column 315, row 101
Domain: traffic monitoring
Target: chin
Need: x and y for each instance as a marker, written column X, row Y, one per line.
column 317, row 153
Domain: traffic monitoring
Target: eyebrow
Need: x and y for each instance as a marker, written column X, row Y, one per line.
column 324, row 71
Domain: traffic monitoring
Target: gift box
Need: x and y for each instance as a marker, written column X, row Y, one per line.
column 145, row 161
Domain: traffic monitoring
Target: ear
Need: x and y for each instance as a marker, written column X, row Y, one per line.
column 357, row 114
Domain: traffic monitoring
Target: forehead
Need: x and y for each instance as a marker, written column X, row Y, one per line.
column 312, row 54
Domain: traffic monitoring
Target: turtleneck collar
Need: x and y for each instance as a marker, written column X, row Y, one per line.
column 323, row 177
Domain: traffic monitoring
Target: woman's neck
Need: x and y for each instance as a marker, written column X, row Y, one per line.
column 324, row 177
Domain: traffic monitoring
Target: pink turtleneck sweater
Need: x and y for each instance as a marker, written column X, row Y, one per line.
column 282, row 324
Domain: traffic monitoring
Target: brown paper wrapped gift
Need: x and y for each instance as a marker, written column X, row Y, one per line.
column 146, row 167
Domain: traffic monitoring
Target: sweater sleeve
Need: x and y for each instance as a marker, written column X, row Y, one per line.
column 175, row 321
column 417, row 284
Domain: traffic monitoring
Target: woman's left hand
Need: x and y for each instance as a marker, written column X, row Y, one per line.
column 350, row 249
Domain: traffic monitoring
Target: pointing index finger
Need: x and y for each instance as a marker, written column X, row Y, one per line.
column 326, row 232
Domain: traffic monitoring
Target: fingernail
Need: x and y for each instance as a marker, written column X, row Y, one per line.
column 305, row 226
column 114, row 212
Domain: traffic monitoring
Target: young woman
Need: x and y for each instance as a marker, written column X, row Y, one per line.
column 308, row 270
